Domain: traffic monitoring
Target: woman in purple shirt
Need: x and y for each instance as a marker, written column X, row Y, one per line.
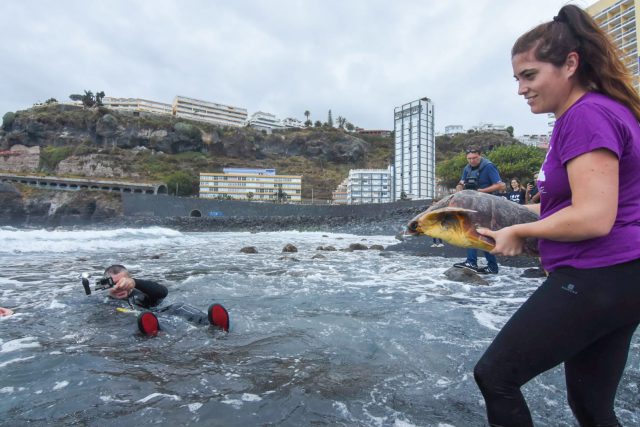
column 585, row 313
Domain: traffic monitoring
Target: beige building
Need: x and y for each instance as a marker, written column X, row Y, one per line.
column 138, row 105
column 619, row 19
column 339, row 195
column 187, row 108
column 251, row 184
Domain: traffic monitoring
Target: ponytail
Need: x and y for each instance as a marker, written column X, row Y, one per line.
column 599, row 69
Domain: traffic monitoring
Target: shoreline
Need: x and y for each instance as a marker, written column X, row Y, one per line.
column 361, row 226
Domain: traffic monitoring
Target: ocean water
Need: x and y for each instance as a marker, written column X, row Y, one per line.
column 351, row 339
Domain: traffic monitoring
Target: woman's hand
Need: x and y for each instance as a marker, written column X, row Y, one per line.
column 508, row 241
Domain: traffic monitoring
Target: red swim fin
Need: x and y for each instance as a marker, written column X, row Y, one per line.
column 218, row 316
column 148, row 323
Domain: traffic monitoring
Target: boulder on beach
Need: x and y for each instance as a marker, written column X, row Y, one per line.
column 356, row 247
column 289, row 248
column 465, row 275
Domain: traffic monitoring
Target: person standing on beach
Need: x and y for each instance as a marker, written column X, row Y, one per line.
column 517, row 194
column 483, row 176
column 586, row 311
column 531, row 194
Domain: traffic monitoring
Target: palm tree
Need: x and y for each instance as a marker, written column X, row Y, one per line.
column 307, row 114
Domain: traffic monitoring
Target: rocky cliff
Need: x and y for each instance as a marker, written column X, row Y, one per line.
column 21, row 205
column 100, row 143
column 65, row 125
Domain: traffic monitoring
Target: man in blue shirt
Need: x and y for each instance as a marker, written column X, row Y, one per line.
column 483, row 176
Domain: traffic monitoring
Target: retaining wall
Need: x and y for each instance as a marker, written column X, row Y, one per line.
column 169, row 206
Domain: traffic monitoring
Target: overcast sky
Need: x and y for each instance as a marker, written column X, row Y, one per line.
column 359, row 58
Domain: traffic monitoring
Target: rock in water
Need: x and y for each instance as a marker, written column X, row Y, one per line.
column 465, row 276
column 455, row 219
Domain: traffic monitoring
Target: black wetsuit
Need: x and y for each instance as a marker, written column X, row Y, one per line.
column 582, row 317
column 148, row 294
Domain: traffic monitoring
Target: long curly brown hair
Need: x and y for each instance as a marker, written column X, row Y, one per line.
column 599, row 69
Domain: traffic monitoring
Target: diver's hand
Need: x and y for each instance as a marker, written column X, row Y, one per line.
column 123, row 288
column 508, row 241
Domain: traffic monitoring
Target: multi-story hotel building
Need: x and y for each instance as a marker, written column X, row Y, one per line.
column 415, row 151
column 188, row 108
column 619, row 19
column 369, row 186
column 219, row 114
column 138, row 105
column 251, row 184
column 264, row 121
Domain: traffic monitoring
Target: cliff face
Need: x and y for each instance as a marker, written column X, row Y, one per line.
column 100, row 143
column 64, row 125
column 27, row 206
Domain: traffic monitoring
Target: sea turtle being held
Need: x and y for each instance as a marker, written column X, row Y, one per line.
column 455, row 219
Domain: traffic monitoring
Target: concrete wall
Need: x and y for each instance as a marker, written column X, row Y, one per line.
column 168, row 206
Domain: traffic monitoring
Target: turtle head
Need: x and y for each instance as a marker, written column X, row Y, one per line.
column 451, row 224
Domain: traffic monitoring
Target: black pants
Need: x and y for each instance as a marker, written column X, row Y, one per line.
column 584, row 318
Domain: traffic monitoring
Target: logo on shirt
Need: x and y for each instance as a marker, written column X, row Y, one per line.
column 570, row 287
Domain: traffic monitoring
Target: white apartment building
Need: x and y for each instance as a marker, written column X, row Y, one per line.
column 369, row 186
column 291, row 122
column 264, row 121
column 251, row 184
column 137, row 105
column 339, row 195
column 619, row 19
column 489, row 127
column 415, row 151
column 534, row 140
column 453, row 129
column 211, row 112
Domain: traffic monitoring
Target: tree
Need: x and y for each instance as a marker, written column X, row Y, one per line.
column 88, row 99
column 249, row 195
column 179, row 183
column 51, row 101
column 99, row 97
column 341, row 122
column 520, row 161
column 509, row 130
column 307, row 114
column 308, row 123
column 403, row 196
column 517, row 160
column 329, row 120
column 318, row 124
column 7, row 120
column 280, row 196
column 349, row 126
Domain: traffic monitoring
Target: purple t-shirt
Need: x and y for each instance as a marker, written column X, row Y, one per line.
column 594, row 121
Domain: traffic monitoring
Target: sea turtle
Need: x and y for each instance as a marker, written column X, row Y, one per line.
column 455, row 218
